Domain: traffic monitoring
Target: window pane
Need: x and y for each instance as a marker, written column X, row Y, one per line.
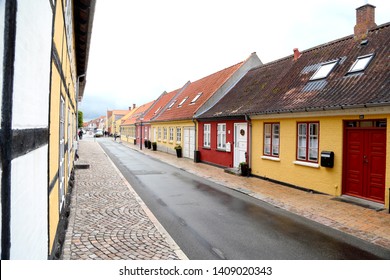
column 324, row 70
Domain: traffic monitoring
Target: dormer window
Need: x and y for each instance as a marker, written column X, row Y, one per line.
column 173, row 103
column 196, row 98
column 181, row 103
column 361, row 63
column 157, row 110
column 324, row 70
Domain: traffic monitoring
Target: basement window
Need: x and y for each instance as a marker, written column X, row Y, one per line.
column 361, row 63
column 324, row 70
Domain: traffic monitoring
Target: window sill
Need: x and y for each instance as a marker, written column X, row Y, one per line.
column 206, row 148
column 221, row 150
column 308, row 164
column 270, row 158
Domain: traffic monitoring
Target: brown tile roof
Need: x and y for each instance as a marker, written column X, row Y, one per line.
column 207, row 86
column 284, row 85
column 138, row 113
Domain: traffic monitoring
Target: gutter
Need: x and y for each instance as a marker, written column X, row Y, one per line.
column 249, row 147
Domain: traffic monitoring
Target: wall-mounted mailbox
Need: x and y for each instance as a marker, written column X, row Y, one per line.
column 327, row 159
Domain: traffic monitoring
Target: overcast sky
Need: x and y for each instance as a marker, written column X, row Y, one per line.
column 140, row 49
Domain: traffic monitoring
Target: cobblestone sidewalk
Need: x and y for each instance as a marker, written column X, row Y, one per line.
column 108, row 221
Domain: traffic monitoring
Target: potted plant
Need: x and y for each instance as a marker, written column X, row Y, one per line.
column 146, row 143
column 154, row 145
column 244, row 169
column 178, row 151
column 149, row 144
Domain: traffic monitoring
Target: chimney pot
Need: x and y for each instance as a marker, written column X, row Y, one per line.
column 365, row 20
column 134, row 106
column 297, row 54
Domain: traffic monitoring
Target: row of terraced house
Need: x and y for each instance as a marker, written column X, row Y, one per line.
column 316, row 119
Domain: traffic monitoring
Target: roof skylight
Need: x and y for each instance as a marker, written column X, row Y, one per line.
column 361, row 63
column 324, row 70
column 196, row 98
column 181, row 103
column 173, row 103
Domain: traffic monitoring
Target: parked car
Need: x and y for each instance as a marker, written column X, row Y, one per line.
column 99, row 133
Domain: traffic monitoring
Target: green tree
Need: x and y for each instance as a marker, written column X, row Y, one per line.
column 80, row 115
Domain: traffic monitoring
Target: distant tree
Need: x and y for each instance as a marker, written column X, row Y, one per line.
column 80, row 115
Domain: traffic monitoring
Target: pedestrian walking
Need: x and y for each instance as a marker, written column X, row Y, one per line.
column 80, row 134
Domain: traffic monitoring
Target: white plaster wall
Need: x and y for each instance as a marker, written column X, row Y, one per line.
column 29, row 204
column 32, row 64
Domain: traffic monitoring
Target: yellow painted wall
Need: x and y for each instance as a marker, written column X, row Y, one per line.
column 66, row 88
column 166, row 145
column 322, row 179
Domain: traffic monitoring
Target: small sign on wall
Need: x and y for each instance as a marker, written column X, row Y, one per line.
column 228, row 147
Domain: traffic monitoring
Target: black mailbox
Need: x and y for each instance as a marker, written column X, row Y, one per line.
column 327, row 159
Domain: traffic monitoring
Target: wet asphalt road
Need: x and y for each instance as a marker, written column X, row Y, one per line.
column 209, row 221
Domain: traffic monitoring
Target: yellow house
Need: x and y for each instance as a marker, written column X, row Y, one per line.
column 71, row 37
column 318, row 119
column 113, row 116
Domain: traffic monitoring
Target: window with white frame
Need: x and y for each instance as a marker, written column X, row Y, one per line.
column 182, row 102
column 62, row 155
column 171, row 134
column 206, row 135
column 159, row 133
column 271, row 139
column 221, row 136
column 178, row 134
column 324, row 70
column 307, row 142
column 361, row 63
column 165, row 132
column 196, row 98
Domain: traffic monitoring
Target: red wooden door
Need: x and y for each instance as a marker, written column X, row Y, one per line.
column 365, row 163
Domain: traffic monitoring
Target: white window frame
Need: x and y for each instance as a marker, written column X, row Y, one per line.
column 61, row 171
column 206, row 135
column 196, row 98
column 324, row 70
column 221, row 136
column 178, row 134
column 171, row 134
column 361, row 63
column 165, row 132
column 308, row 134
column 182, row 102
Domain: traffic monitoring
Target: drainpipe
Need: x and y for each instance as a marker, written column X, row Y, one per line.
column 196, row 141
column 249, row 147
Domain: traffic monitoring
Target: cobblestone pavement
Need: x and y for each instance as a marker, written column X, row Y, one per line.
column 364, row 223
column 108, row 221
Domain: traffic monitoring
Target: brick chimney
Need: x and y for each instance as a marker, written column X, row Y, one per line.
column 297, row 54
column 133, row 105
column 365, row 20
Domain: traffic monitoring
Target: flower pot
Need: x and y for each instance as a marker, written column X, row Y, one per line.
column 149, row 144
column 178, row 153
column 244, row 169
column 154, row 145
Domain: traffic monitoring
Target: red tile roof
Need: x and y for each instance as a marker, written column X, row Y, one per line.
column 207, row 86
column 285, row 86
column 159, row 104
column 134, row 118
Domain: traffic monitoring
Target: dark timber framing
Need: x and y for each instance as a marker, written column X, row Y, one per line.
column 6, row 124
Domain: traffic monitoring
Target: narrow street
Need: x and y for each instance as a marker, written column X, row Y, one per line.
column 210, row 221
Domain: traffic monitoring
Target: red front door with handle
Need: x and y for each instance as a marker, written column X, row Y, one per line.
column 365, row 163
